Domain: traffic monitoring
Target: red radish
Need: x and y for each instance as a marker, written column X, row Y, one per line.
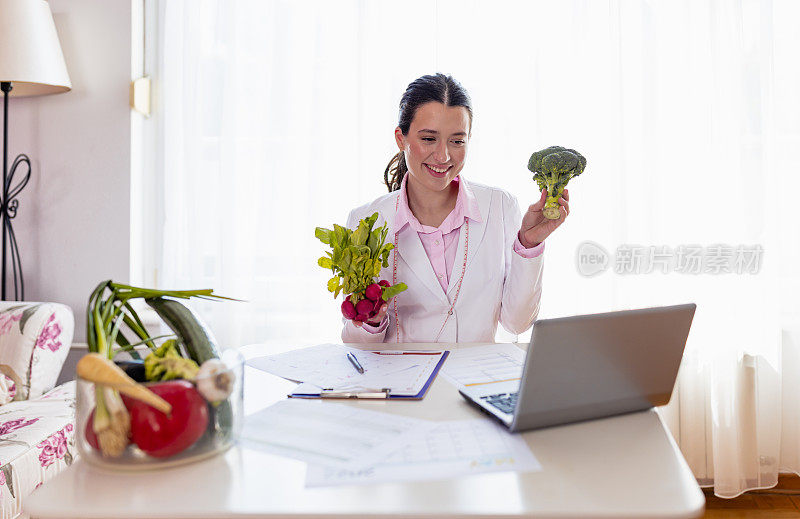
column 373, row 292
column 364, row 306
column 378, row 304
column 384, row 283
column 160, row 435
column 91, row 437
column 361, row 317
column 348, row 310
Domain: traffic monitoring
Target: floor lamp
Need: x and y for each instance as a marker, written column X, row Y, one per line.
column 31, row 64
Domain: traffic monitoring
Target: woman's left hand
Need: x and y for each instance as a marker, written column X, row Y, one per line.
column 535, row 227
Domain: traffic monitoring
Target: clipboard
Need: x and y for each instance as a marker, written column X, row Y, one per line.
column 383, row 393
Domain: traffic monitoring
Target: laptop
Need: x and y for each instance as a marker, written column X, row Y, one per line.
column 591, row 366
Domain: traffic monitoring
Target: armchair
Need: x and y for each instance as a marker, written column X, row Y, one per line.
column 36, row 420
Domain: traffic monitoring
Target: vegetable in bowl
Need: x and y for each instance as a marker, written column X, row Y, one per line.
column 183, row 399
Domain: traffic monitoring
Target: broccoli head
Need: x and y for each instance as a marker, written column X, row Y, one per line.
column 166, row 363
column 552, row 168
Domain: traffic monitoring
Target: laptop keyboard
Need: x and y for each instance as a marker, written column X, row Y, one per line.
column 505, row 402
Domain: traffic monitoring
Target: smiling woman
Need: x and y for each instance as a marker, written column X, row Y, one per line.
column 437, row 157
column 429, row 203
column 427, row 102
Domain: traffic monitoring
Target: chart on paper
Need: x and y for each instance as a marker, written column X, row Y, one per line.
column 332, row 434
column 449, row 449
column 484, row 365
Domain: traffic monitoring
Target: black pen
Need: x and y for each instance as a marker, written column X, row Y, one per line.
column 354, row 361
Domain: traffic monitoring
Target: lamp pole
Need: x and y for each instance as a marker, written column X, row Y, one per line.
column 6, row 87
column 9, row 205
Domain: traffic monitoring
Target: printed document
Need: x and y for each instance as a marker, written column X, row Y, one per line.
column 483, row 365
column 327, row 366
column 449, row 449
column 335, row 435
column 316, row 364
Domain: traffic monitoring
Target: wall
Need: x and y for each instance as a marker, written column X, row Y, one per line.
column 73, row 224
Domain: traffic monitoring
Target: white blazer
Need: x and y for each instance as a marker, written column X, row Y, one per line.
column 498, row 284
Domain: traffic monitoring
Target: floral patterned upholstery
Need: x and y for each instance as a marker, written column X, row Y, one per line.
column 37, row 441
column 37, row 434
column 34, row 342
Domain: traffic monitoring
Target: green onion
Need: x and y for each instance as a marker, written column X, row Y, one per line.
column 106, row 313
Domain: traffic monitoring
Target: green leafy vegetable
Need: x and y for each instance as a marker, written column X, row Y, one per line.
column 356, row 258
column 553, row 167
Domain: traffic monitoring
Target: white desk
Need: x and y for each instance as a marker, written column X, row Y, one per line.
column 626, row 466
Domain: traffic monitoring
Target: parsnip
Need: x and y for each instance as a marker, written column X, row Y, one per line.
column 100, row 370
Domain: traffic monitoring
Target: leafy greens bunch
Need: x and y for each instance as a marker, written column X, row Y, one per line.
column 553, row 167
column 356, row 259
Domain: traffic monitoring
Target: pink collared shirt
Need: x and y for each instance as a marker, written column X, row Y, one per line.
column 440, row 243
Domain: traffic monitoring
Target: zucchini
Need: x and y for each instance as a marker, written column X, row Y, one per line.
column 193, row 332
column 201, row 346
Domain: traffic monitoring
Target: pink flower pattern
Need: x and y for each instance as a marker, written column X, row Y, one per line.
column 54, row 447
column 13, row 425
column 48, row 339
column 7, row 320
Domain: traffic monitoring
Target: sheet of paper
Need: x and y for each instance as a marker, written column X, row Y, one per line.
column 484, row 365
column 330, row 434
column 326, row 366
column 314, row 364
column 449, row 449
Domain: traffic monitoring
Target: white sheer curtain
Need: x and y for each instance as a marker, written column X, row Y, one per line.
column 277, row 117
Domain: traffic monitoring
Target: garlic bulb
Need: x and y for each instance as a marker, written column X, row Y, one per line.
column 215, row 380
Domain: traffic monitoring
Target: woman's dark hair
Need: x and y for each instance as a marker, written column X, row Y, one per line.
column 437, row 87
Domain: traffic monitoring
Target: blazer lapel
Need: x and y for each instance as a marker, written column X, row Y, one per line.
column 477, row 230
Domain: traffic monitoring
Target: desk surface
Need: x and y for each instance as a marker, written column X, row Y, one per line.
column 625, row 466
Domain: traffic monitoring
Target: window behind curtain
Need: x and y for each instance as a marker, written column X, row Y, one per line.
column 275, row 117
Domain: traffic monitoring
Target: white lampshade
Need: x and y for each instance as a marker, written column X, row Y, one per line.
column 30, row 55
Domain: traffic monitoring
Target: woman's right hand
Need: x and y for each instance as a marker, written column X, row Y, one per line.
column 377, row 319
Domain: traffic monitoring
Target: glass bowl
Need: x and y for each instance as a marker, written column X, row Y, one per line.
column 216, row 428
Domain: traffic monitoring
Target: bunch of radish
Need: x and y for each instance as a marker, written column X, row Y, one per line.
column 356, row 260
column 366, row 307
